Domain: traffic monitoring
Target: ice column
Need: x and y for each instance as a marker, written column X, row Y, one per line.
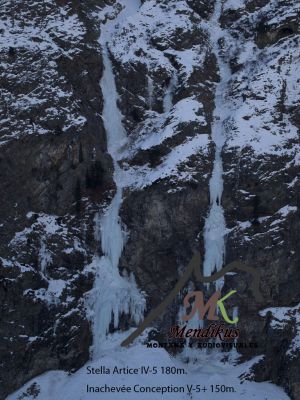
column 215, row 227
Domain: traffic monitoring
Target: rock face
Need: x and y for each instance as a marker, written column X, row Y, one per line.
column 261, row 165
column 56, row 173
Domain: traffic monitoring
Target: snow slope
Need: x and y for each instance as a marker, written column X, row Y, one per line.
column 208, row 370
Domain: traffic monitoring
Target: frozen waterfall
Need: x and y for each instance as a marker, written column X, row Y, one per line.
column 112, row 294
column 215, row 227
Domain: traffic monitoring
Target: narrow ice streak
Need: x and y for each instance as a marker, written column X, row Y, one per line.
column 116, row 135
column 150, row 92
column 168, row 98
column 112, row 294
column 215, row 227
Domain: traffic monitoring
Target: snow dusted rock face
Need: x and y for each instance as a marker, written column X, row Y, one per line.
column 205, row 92
column 54, row 171
column 261, row 171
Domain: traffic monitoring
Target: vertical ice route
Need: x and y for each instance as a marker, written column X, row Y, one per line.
column 112, row 294
column 215, row 227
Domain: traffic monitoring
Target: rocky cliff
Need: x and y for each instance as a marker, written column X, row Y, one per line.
column 55, row 173
column 182, row 69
